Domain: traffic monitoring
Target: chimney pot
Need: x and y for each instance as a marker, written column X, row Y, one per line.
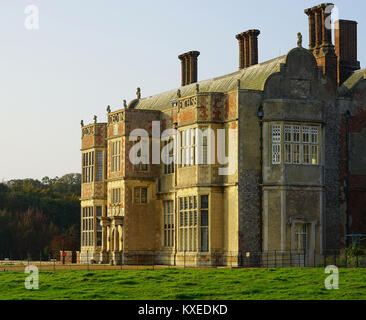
column 189, row 67
column 346, row 49
column 248, row 48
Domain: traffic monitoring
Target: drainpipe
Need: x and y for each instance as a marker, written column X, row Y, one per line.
column 348, row 117
column 260, row 115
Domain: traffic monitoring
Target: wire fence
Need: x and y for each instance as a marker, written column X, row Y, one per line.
column 134, row 260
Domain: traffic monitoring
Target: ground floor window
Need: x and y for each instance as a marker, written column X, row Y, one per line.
column 301, row 237
column 168, row 224
column 194, row 223
column 204, row 223
column 87, row 226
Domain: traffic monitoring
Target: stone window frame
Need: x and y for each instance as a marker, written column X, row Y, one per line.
column 301, row 229
column 137, row 197
column 87, row 226
column 88, row 166
column 299, row 140
column 276, row 143
column 116, row 147
column 188, row 150
column 99, row 163
column 189, row 222
column 169, row 224
column 116, row 196
column 191, row 150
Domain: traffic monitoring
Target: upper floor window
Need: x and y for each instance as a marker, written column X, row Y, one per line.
column 87, row 226
column 116, row 156
column 188, row 147
column 300, row 145
column 116, row 196
column 99, row 176
column 88, row 166
column 194, row 146
column 140, row 195
column 169, row 158
column 276, row 144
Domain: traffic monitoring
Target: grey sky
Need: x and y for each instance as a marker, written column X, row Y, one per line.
column 88, row 54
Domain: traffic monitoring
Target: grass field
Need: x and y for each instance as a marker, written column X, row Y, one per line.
column 171, row 283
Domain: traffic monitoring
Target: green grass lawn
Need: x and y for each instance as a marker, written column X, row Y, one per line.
column 171, row 283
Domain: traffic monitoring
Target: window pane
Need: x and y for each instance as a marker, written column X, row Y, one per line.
column 276, row 154
column 314, row 154
column 204, row 218
column 143, row 195
column 204, row 201
column 204, row 239
column 276, row 133
column 288, row 153
column 137, row 195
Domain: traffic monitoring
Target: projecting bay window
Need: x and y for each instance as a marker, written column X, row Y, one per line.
column 88, row 166
column 87, row 227
column 99, row 176
column 194, row 224
column 168, row 224
column 116, row 156
column 300, row 146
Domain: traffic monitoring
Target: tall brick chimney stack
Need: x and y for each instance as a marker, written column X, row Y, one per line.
column 189, row 67
column 346, row 48
column 320, row 39
column 248, row 48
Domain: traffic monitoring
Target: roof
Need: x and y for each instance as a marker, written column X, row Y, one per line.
column 355, row 78
column 252, row 78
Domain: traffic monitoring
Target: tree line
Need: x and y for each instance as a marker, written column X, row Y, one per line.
column 39, row 218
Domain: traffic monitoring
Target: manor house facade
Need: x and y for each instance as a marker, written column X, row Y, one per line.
column 300, row 166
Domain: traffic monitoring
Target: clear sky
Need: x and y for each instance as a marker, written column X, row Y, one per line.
column 88, row 54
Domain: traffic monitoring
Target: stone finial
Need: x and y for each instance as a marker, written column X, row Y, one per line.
column 299, row 39
column 109, row 109
column 197, row 88
column 125, row 104
column 95, row 119
column 82, row 123
column 138, row 93
column 179, row 94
